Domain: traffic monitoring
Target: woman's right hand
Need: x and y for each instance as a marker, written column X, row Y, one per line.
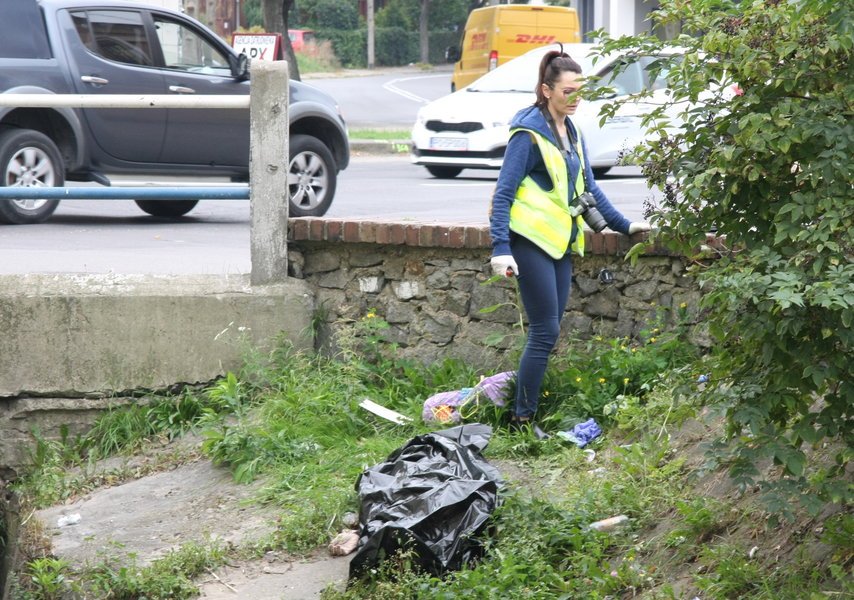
column 504, row 265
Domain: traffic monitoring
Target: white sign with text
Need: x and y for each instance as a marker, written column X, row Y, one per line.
column 258, row 46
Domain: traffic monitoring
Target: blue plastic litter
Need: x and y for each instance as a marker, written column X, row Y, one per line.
column 582, row 434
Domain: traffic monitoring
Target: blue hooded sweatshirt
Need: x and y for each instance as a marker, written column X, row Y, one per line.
column 522, row 158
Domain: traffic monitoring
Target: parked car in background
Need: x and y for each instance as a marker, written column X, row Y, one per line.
column 495, row 35
column 469, row 129
column 113, row 47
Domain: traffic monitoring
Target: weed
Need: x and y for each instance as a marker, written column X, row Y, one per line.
column 46, row 481
column 596, row 377
column 498, row 339
column 702, row 518
column 839, row 534
column 730, row 574
column 50, row 578
column 167, row 577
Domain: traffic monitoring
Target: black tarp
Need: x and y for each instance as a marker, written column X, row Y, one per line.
column 433, row 496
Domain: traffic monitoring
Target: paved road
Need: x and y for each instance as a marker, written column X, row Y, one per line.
column 115, row 236
column 88, row 236
column 388, row 100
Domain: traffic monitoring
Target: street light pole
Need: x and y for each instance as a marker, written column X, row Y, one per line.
column 370, row 10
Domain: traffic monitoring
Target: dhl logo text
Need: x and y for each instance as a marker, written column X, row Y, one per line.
column 527, row 38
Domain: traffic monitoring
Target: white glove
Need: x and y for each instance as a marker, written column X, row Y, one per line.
column 638, row 227
column 504, row 265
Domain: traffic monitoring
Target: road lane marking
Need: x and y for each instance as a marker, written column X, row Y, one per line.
column 391, row 87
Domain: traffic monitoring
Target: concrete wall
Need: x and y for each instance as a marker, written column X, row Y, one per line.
column 73, row 345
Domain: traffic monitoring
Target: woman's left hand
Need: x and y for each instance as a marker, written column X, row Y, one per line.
column 639, row 227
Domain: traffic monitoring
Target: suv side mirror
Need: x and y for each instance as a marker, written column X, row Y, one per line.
column 239, row 66
column 452, row 54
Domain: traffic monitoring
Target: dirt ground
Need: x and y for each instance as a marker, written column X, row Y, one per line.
column 194, row 501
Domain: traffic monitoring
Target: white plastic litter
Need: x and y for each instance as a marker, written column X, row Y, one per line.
column 385, row 413
column 609, row 524
column 66, row 520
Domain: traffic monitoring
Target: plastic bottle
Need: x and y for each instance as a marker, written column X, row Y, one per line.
column 609, row 524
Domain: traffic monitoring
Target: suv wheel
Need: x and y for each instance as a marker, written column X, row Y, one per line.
column 311, row 177
column 29, row 159
column 444, row 172
column 167, row 208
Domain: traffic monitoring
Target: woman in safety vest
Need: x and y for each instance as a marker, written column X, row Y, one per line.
column 544, row 195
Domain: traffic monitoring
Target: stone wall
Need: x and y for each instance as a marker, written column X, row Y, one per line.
column 428, row 282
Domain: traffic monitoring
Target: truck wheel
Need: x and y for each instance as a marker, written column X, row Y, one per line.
column 444, row 172
column 167, row 208
column 600, row 171
column 311, row 177
column 29, row 159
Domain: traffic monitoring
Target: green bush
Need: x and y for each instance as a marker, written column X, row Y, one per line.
column 768, row 165
column 334, row 14
column 350, row 46
column 394, row 46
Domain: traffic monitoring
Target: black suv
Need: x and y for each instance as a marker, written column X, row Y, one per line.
column 111, row 47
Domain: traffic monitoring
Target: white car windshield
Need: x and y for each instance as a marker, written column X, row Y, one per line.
column 520, row 74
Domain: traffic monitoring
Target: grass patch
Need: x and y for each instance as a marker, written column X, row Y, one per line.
column 380, row 134
column 317, row 57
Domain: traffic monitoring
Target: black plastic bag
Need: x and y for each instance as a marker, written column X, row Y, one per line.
column 433, row 496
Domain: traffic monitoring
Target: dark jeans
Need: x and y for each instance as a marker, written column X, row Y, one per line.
column 544, row 285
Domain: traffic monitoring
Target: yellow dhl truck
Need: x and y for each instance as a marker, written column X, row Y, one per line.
column 496, row 34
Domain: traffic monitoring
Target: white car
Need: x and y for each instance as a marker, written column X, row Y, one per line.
column 469, row 129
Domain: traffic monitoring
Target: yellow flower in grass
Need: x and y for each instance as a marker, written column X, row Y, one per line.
column 684, row 305
column 652, row 340
column 546, row 393
column 625, row 381
column 634, row 349
column 601, row 380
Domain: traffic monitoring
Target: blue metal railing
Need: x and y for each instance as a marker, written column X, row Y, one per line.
column 124, row 193
column 132, row 101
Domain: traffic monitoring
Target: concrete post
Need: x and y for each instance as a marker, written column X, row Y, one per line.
column 268, row 172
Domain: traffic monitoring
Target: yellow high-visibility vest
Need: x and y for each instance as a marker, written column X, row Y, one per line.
column 543, row 216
